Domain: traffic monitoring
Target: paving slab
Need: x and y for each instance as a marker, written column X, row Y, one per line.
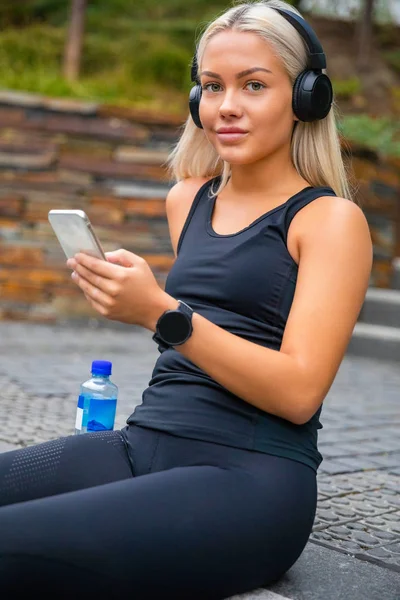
column 321, row 574
column 6, row 447
column 356, row 534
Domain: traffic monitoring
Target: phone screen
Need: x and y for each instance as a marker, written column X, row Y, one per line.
column 74, row 233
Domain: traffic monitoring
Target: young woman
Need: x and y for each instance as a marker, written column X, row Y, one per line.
column 210, row 490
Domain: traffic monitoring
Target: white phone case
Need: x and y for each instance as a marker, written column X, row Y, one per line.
column 74, row 232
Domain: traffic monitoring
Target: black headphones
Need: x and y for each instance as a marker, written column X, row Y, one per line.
column 312, row 90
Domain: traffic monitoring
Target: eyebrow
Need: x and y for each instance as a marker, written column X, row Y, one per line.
column 238, row 75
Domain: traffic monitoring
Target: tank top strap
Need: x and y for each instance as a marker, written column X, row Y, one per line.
column 301, row 199
column 201, row 193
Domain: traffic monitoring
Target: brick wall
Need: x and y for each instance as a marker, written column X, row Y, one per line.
column 108, row 161
column 62, row 154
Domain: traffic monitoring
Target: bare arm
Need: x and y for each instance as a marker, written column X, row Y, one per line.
column 334, row 269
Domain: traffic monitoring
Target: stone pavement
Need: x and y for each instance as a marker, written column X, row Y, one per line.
column 356, row 535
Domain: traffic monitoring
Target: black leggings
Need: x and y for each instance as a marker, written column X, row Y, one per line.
column 145, row 513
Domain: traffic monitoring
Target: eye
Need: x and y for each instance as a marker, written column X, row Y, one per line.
column 256, row 83
column 213, row 85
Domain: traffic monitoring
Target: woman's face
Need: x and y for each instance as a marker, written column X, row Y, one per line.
column 259, row 103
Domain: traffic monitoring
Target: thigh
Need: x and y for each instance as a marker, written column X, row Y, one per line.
column 63, row 465
column 199, row 532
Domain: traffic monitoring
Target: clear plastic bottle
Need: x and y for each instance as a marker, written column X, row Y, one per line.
column 97, row 402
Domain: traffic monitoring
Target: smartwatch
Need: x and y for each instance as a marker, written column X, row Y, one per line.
column 174, row 327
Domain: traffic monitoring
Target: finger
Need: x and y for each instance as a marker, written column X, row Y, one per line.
column 96, row 265
column 101, row 309
column 122, row 257
column 98, row 307
column 117, row 261
column 71, row 263
column 94, row 294
column 106, row 285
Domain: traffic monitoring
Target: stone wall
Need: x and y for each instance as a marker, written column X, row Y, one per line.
column 378, row 194
column 62, row 154
column 108, row 161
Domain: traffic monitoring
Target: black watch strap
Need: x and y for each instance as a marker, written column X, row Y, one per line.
column 185, row 308
column 162, row 345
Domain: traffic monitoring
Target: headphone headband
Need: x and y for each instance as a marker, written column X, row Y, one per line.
column 316, row 59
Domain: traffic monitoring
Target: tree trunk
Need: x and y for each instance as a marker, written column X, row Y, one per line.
column 74, row 42
column 365, row 35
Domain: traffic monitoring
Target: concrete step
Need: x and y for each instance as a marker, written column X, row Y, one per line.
column 375, row 341
column 381, row 307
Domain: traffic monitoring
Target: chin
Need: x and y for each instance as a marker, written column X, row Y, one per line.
column 238, row 154
column 238, row 158
column 241, row 156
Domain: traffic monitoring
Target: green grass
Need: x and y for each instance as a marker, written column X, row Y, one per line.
column 138, row 69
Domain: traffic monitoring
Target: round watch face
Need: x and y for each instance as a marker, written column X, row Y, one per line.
column 174, row 327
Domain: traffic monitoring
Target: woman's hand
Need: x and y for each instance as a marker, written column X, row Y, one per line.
column 121, row 289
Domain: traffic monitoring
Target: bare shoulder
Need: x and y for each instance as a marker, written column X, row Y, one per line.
column 178, row 202
column 333, row 206
column 336, row 230
column 331, row 219
column 181, row 192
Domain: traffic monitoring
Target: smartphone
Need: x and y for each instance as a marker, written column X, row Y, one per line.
column 75, row 233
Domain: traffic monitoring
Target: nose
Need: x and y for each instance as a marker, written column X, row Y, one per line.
column 230, row 107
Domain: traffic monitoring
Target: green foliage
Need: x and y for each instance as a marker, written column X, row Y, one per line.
column 346, row 88
column 39, row 50
column 135, row 69
column 387, row 35
column 393, row 59
column 23, row 12
column 395, row 93
column 100, row 12
column 161, row 60
column 381, row 134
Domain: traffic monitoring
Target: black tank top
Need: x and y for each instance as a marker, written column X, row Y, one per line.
column 243, row 282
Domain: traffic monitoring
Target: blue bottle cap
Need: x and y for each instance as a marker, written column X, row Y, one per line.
column 101, row 367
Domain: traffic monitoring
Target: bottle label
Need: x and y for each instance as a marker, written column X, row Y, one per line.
column 101, row 414
column 79, row 413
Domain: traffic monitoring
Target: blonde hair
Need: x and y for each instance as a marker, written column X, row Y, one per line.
column 315, row 146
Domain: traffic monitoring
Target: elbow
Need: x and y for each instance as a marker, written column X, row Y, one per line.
column 304, row 407
column 306, row 394
column 301, row 417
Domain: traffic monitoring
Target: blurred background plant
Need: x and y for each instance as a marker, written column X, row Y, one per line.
column 131, row 53
column 381, row 134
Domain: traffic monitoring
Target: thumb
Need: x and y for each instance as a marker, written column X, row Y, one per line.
column 120, row 257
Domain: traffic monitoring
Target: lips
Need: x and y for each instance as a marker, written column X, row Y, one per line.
column 231, row 130
column 229, row 135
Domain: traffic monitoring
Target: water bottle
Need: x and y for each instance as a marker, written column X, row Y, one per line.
column 97, row 402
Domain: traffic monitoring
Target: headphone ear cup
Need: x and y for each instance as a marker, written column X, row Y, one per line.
column 312, row 96
column 194, row 104
column 296, row 97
